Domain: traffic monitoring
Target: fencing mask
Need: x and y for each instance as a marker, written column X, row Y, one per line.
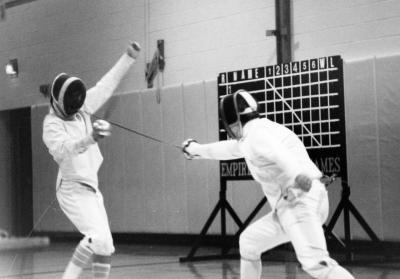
column 236, row 110
column 67, row 95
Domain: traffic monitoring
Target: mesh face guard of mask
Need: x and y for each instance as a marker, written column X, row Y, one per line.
column 68, row 95
column 233, row 108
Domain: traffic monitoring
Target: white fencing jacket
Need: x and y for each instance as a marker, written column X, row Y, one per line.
column 274, row 154
column 70, row 141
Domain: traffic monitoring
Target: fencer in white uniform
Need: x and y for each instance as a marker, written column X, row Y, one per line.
column 278, row 160
column 71, row 139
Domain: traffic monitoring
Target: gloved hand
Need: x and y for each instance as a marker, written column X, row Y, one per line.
column 302, row 184
column 133, row 50
column 101, row 129
column 328, row 180
column 188, row 147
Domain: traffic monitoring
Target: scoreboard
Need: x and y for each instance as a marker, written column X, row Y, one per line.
column 307, row 97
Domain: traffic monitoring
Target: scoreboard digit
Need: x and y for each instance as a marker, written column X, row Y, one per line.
column 307, row 97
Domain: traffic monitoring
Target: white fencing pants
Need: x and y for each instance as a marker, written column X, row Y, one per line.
column 84, row 207
column 300, row 222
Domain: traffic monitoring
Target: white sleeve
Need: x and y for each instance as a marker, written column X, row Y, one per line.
column 60, row 144
column 221, row 150
column 105, row 87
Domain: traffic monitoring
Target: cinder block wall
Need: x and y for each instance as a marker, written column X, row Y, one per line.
column 202, row 38
column 351, row 28
column 82, row 38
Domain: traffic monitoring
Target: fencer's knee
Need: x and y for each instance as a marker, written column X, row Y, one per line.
column 248, row 248
column 103, row 246
column 100, row 245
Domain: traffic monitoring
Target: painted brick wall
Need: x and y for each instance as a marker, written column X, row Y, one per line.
column 202, row 38
column 82, row 38
column 354, row 29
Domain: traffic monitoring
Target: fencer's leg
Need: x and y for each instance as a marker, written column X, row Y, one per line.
column 73, row 203
column 250, row 268
column 103, row 249
column 101, row 266
column 262, row 235
column 79, row 259
column 302, row 223
column 339, row 272
column 85, row 208
column 102, row 244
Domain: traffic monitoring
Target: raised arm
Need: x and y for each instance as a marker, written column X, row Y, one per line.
column 221, row 150
column 105, row 87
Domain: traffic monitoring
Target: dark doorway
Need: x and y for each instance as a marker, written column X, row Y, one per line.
column 21, row 176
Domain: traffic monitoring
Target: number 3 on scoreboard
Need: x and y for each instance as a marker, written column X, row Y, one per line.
column 286, row 69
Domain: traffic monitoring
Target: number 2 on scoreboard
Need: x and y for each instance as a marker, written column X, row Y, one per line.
column 277, row 69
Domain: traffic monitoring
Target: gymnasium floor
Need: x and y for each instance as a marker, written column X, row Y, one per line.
column 145, row 261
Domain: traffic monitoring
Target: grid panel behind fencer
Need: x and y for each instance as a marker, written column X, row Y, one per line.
column 306, row 96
